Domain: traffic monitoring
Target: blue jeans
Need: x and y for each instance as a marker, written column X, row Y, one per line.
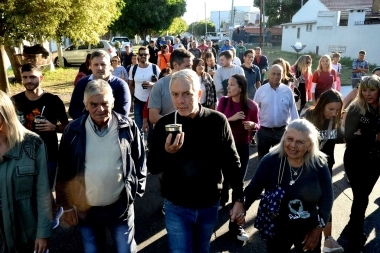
column 138, row 111
column 121, row 227
column 190, row 230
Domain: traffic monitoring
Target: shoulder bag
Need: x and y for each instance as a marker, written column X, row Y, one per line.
column 269, row 207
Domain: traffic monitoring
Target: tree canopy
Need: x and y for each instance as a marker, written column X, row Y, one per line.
column 280, row 11
column 147, row 17
column 177, row 27
column 199, row 28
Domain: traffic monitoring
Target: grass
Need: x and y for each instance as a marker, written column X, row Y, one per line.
column 275, row 52
column 59, row 82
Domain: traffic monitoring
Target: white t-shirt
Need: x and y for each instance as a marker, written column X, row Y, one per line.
column 203, row 88
column 337, row 67
column 141, row 75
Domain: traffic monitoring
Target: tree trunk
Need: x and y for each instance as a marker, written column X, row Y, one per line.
column 60, row 55
column 16, row 70
column 4, row 84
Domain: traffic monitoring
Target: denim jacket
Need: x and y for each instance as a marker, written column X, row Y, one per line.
column 70, row 186
column 25, row 193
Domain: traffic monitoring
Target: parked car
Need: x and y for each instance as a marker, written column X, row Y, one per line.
column 123, row 40
column 76, row 54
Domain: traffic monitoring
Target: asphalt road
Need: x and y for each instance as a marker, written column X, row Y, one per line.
column 150, row 226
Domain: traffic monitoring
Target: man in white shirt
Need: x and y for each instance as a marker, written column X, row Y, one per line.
column 225, row 72
column 277, row 109
column 142, row 77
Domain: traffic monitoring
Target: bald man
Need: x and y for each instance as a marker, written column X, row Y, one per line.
column 277, row 109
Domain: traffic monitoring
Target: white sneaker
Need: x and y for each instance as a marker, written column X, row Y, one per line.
column 242, row 235
column 331, row 245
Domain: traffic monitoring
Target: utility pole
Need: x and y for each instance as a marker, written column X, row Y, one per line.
column 205, row 23
column 219, row 22
column 231, row 28
column 261, row 23
column 264, row 23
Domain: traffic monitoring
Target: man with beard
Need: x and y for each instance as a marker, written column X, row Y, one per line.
column 142, row 77
column 34, row 102
column 153, row 51
column 223, row 74
column 100, row 66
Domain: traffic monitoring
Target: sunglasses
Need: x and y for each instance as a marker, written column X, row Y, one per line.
column 114, row 61
column 143, row 55
column 308, row 62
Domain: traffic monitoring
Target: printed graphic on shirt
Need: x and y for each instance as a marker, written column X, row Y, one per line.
column 296, row 210
column 332, row 136
column 29, row 118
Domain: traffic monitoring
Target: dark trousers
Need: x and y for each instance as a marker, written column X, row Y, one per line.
column 243, row 151
column 363, row 173
column 302, row 90
column 285, row 237
column 267, row 138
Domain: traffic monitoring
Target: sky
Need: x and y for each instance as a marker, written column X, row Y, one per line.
column 195, row 9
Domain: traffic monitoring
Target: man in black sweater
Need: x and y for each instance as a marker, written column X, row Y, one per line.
column 194, row 166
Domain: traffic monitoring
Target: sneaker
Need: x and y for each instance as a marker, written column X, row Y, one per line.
column 57, row 216
column 241, row 234
column 332, row 246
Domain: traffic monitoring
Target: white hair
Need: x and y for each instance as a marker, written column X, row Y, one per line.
column 187, row 75
column 314, row 156
column 96, row 87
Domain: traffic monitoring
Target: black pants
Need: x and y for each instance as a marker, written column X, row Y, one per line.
column 302, row 90
column 267, row 138
column 286, row 236
column 363, row 173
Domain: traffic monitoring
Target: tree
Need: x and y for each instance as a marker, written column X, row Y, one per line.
column 280, row 11
column 39, row 20
column 177, row 27
column 199, row 28
column 147, row 17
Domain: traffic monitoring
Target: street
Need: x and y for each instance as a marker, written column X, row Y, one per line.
column 150, row 224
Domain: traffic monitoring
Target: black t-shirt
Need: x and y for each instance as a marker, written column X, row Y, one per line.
column 54, row 112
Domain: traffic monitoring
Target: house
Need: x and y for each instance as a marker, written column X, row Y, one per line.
column 242, row 15
column 326, row 26
column 251, row 34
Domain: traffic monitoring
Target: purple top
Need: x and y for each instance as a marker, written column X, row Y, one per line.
column 230, row 108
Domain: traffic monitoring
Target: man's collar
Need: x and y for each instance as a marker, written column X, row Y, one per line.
column 96, row 128
column 91, row 77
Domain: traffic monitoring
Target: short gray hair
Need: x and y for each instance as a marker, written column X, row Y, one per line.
column 100, row 53
column 314, row 156
column 187, row 75
column 96, row 87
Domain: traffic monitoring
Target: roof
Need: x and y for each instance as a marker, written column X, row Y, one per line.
column 339, row 5
column 256, row 30
column 345, row 5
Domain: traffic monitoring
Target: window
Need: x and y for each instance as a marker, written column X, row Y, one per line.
column 83, row 46
column 97, row 46
column 298, row 32
column 309, row 27
column 293, row 26
column 286, row 27
column 71, row 48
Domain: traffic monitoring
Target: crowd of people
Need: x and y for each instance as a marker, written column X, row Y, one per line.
column 200, row 118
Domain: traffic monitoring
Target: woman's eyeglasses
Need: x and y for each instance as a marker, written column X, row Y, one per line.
column 114, row 61
column 308, row 62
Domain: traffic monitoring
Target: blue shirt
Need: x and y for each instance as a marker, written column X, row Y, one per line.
column 361, row 64
column 253, row 75
column 225, row 48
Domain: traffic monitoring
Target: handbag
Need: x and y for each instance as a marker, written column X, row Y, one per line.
column 269, row 208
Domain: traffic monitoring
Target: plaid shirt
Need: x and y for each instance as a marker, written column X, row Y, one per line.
column 208, row 82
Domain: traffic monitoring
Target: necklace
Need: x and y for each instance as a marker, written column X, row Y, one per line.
column 294, row 172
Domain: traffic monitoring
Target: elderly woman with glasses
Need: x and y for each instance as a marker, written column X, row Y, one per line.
column 362, row 155
column 118, row 70
column 304, row 176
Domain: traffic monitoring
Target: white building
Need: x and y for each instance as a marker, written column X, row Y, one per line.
column 325, row 26
column 242, row 15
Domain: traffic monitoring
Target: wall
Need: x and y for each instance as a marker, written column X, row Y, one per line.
column 355, row 38
column 309, row 11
